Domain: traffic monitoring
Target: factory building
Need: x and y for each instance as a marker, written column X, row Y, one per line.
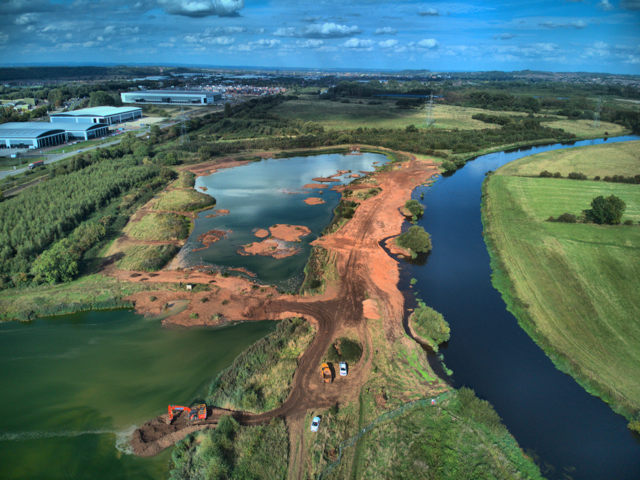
column 41, row 135
column 171, row 97
column 98, row 115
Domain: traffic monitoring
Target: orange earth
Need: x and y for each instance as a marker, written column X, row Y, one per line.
column 314, row 185
column 261, row 233
column 289, row 233
column 366, row 288
column 314, row 201
column 218, row 213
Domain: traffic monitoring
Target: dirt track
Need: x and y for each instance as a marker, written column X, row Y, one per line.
column 365, row 272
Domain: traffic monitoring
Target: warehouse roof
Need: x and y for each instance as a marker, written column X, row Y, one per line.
column 96, row 112
column 172, row 92
column 29, row 129
column 42, row 129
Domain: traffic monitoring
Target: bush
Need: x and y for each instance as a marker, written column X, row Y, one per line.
column 565, row 218
column 577, row 176
column 416, row 240
column 606, row 210
column 414, row 207
column 430, row 326
column 628, row 222
column 448, row 166
column 345, row 350
column 57, row 264
column 557, row 175
column 545, row 174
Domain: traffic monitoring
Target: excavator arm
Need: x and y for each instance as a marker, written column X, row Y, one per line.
column 177, row 407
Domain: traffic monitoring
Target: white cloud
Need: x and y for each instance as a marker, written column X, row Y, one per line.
column 388, row 43
column 429, row 12
column 575, row 24
column 201, row 8
column 504, row 36
column 428, row 43
column 358, row 44
column 258, row 45
column 222, row 40
column 319, row 30
column 4, row 38
column 26, row 19
column 385, row 31
column 129, row 30
column 212, row 32
column 166, row 45
column 109, row 30
column 605, row 5
column 311, row 43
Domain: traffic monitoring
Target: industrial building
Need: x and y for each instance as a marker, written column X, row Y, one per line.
column 99, row 115
column 40, row 134
column 180, row 97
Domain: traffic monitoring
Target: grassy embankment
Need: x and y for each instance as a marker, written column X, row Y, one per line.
column 161, row 227
column 575, row 288
column 233, row 451
column 90, row 292
column 260, row 378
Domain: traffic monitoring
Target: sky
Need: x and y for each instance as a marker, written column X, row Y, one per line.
column 477, row 35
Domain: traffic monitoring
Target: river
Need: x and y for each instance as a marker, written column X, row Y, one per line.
column 549, row 414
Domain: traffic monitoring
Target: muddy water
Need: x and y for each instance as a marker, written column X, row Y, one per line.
column 262, row 194
column 73, row 388
column 549, row 414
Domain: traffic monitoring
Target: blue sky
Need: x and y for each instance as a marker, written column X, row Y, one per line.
column 556, row 35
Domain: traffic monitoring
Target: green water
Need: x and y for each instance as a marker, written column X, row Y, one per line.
column 73, row 388
column 261, row 194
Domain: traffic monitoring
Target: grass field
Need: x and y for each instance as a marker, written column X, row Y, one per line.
column 90, row 290
column 160, row 226
column 574, row 287
column 148, row 258
column 337, row 115
column 584, row 128
column 81, row 145
column 183, row 200
column 606, row 159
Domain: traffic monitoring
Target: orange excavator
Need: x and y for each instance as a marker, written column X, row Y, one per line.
column 199, row 413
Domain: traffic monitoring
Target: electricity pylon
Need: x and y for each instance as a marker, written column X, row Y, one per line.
column 184, row 136
column 596, row 117
column 429, row 120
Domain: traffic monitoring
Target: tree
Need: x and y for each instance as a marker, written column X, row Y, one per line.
column 227, row 110
column 606, row 210
column 57, row 264
column 430, row 326
column 416, row 240
column 414, row 207
column 100, row 98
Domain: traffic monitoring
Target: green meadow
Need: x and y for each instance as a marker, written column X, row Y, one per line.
column 574, row 287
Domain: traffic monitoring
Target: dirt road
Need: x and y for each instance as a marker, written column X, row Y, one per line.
column 365, row 272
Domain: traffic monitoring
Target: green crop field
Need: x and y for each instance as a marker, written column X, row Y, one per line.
column 148, row 258
column 341, row 116
column 606, row 159
column 574, row 287
column 584, row 128
column 160, row 226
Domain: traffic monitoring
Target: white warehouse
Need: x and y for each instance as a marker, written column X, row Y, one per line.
column 100, row 115
column 41, row 134
column 167, row 97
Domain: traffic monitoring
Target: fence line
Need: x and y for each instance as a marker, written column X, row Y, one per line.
column 387, row 416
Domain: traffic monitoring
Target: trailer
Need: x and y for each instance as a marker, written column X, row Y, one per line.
column 39, row 163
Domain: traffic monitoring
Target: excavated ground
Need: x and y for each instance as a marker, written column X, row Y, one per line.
column 367, row 277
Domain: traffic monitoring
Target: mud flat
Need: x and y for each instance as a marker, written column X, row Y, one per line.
column 289, row 233
column 314, row 201
column 314, row 185
column 269, row 248
column 209, row 238
column 217, row 213
column 261, row 233
column 325, row 179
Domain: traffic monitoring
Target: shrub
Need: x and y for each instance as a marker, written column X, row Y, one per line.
column 557, row 175
column 430, row 325
column 577, row 176
column 416, row 240
column 152, row 299
column 606, row 210
column 635, row 425
column 628, row 222
column 567, row 218
column 545, row 174
column 194, row 315
column 345, row 350
column 596, row 178
column 414, row 207
column 448, row 166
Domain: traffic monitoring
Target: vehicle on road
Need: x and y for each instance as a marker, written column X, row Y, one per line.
column 37, row 164
column 326, row 373
column 315, row 423
column 343, row 369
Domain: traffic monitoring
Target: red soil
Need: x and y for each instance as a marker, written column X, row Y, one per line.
column 289, row 233
column 325, row 179
column 209, row 238
column 314, row 201
column 262, row 233
column 314, row 185
column 218, row 213
column 268, row 248
column 243, row 270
